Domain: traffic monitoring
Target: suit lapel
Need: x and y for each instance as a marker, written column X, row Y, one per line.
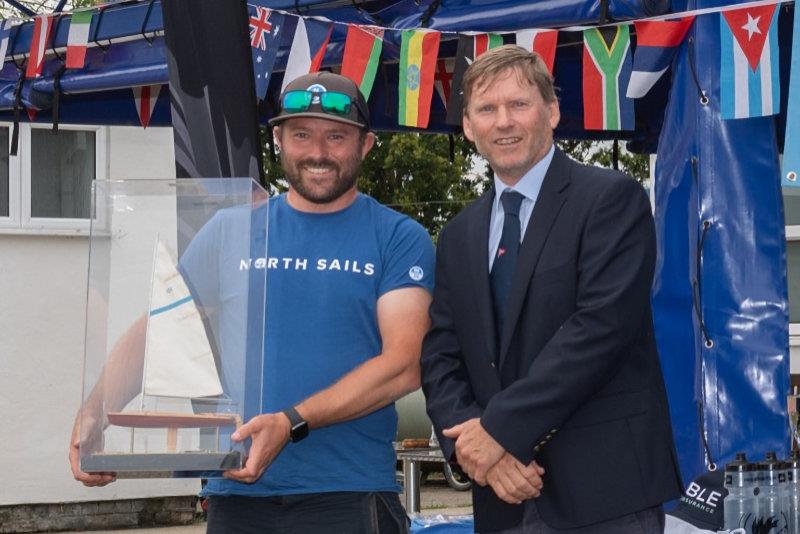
column 551, row 197
column 479, row 261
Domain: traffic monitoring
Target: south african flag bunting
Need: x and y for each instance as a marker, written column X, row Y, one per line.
column 607, row 69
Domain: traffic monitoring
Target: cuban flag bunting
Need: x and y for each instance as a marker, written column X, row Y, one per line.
column 309, row 43
column 265, row 29
column 656, row 45
column 749, row 80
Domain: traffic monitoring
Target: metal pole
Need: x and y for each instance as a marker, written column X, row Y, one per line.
column 411, row 479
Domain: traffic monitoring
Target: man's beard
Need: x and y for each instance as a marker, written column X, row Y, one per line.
column 346, row 177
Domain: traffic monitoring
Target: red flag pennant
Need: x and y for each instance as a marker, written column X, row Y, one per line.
column 145, row 97
column 42, row 27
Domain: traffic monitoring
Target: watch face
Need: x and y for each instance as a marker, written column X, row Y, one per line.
column 299, row 431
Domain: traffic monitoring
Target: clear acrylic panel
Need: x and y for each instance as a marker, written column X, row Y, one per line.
column 174, row 325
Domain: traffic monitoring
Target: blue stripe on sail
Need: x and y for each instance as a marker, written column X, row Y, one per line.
column 168, row 307
column 774, row 53
column 754, row 89
column 727, row 82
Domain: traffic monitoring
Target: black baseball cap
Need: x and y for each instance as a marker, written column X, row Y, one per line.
column 321, row 82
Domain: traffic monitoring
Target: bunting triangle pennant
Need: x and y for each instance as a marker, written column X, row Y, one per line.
column 145, row 97
column 606, row 72
column 309, row 42
column 749, row 70
column 656, row 44
column 42, row 28
column 78, row 38
column 418, row 52
column 790, row 176
column 362, row 55
column 265, row 29
column 543, row 42
column 470, row 48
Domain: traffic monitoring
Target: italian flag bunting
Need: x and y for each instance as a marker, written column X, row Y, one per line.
column 543, row 42
column 362, row 55
column 607, row 68
column 418, row 51
column 78, row 38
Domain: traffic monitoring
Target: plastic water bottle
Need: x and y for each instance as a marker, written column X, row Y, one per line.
column 741, row 505
column 772, row 498
column 793, row 492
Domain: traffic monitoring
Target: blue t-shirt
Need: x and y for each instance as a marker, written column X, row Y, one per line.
column 324, row 275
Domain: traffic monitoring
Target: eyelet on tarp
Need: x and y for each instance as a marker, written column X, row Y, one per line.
column 709, row 343
column 703, row 98
column 791, row 176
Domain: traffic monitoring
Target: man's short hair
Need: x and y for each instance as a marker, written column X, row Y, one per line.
column 506, row 58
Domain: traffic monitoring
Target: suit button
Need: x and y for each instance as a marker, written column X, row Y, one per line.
column 536, row 448
column 492, row 364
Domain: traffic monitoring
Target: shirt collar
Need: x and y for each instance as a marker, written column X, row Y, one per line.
column 531, row 182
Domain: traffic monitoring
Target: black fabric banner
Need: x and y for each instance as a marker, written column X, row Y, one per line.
column 212, row 90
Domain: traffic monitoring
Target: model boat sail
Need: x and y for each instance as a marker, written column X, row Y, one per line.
column 178, row 359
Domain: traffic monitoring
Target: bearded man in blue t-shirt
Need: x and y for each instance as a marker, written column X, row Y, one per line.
column 347, row 301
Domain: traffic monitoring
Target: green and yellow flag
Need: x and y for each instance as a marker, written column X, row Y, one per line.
column 418, row 52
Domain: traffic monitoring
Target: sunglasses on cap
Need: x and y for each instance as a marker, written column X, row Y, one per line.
column 330, row 101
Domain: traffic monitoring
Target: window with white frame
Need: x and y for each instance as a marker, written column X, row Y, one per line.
column 46, row 187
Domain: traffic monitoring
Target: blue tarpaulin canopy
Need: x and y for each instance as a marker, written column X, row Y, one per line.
column 720, row 296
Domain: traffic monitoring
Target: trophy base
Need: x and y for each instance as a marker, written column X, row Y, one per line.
column 163, row 465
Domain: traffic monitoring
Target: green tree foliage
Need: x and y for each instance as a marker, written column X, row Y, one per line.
column 600, row 153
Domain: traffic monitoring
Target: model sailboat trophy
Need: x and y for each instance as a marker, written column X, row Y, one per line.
column 165, row 388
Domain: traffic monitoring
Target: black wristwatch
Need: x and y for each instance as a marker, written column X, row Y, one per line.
column 299, row 428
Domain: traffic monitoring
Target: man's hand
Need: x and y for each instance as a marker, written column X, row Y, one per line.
column 94, row 437
column 476, row 450
column 270, row 433
column 513, row 481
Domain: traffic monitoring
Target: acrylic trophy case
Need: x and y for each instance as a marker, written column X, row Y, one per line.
column 174, row 325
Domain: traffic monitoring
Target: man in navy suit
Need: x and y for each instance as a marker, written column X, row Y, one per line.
column 540, row 369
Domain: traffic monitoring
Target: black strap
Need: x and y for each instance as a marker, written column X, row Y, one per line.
column 17, row 108
column 57, row 95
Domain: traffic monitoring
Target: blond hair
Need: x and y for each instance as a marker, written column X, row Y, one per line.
column 497, row 61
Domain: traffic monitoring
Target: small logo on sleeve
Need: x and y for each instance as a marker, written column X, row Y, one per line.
column 416, row 273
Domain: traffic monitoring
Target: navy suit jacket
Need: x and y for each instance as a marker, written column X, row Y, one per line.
column 578, row 386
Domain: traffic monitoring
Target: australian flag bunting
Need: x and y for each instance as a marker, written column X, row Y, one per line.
column 265, row 32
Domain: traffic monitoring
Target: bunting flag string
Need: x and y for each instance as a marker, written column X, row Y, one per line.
column 615, row 71
column 145, row 98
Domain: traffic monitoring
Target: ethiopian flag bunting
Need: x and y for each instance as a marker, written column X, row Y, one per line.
column 78, row 38
column 607, row 68
column 418, row 52
column 362, row 55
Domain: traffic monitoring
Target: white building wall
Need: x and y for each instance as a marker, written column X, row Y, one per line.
column 42, row 310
